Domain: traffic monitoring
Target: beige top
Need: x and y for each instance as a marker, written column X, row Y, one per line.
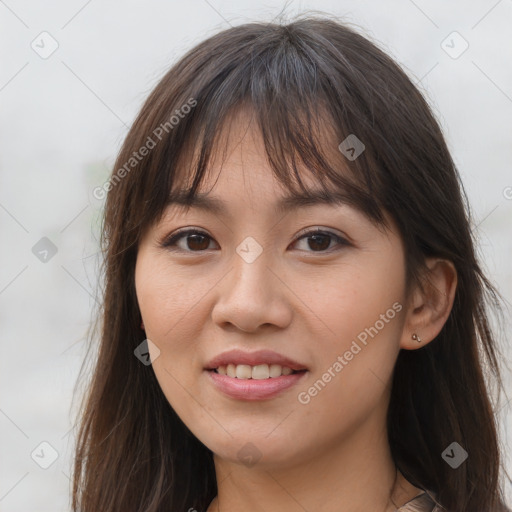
column 424, row 502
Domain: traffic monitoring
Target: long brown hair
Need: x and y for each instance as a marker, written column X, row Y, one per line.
column 299, row 79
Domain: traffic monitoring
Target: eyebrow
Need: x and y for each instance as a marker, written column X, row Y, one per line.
column 293, row 201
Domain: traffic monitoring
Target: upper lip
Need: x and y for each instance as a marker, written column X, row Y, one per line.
column 252, row 359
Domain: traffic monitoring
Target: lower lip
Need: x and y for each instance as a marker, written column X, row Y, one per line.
column 254, row 389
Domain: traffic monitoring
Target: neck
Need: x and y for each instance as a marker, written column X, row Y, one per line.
column 355, row 475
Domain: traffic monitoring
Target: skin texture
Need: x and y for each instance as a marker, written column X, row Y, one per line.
column 305, row 302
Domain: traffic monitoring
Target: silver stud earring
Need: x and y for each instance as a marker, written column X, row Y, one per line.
column 416, row 338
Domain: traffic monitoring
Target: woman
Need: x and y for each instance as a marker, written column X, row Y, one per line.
column 294, row 318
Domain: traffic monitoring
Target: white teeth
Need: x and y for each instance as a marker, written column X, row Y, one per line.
column 259, row 372
column 275, row 370
column 231, row 370
column 243, row 371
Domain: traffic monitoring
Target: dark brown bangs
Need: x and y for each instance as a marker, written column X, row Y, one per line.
column 296, row 144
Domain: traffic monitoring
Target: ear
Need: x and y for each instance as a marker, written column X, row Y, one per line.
column 429, row 305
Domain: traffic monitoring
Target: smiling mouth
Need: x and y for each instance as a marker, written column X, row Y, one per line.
column 249, row 383
column 257, row 372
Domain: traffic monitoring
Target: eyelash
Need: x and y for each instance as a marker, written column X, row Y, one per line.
column 171, row 241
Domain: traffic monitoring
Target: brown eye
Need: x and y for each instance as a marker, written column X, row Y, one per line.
column 194, row 241
column 320, row 241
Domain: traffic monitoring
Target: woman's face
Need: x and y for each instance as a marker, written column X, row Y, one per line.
column 258, row 279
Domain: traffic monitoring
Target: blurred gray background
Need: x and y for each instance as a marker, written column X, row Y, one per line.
column 74, row 74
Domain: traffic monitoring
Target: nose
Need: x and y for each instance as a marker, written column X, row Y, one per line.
column 253, row 296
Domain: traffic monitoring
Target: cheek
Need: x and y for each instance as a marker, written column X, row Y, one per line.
column 169, row 300
column 361, row 310
column 353, row 298
column 354, row 359
column 172, row 303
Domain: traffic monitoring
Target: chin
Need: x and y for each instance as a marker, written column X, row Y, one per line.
column 256, row 450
